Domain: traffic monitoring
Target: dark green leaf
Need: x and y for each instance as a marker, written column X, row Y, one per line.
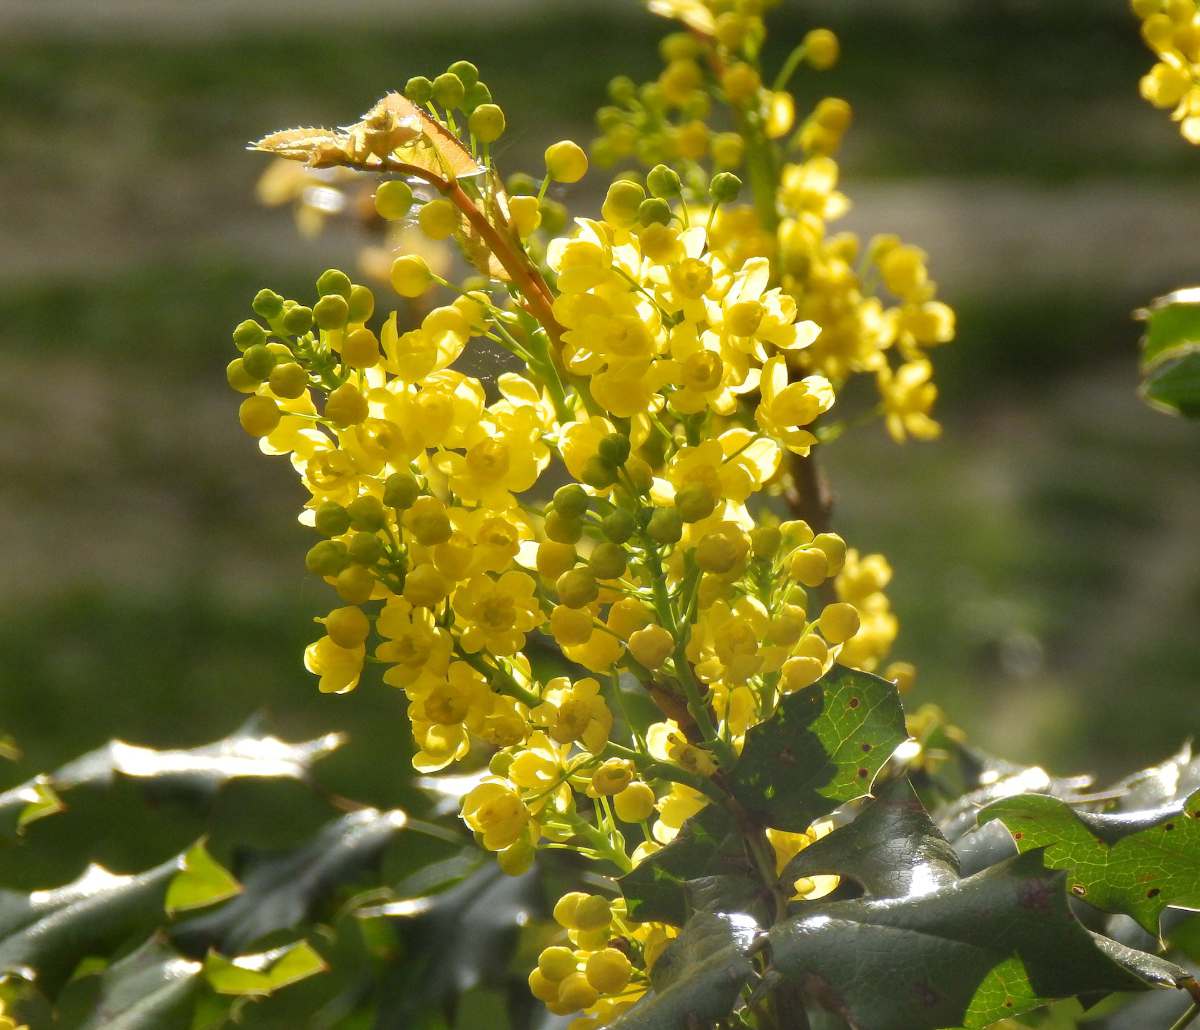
column 708, row 849
column 1151, row 968
column 1172, row 321
column 1172, row 780
column 698, row 978
column 151, row 989
column 966, row 954
column 892, row 849
column 821, row 748
column 1132, row 862
column 280, row 892
column 1173, row 385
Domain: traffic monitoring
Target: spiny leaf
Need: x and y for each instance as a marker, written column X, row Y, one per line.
column 967, row 954
column 892, row 849
column 150, row 989
column 26, row 804
column 708, row 846
column 1172, row 780
column 262, row 974
column 821, row 748
column 699, row 976
column 280, row 892
column 1133, row 862
column 200, row 882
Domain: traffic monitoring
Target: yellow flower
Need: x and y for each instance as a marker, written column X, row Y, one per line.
column 415, row 647
column 788, row 845
column 338, row 667
column 579, row 713
column 494, row 810
column 908, row 397
column 495, row 614
column 787, row 407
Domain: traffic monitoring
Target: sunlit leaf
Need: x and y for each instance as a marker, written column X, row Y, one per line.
column 201, row 881
column 262, row 974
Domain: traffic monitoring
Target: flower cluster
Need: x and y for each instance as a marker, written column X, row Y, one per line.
column 876, row 306
column 1171, row 29
column 582, row 445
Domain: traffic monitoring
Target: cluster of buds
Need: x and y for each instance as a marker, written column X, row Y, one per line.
column 1171, row 29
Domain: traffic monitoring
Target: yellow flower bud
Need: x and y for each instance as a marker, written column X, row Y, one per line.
column 526, row 214
column 237, row 377
column 575, row 993
column 834, row 549
column 517, row 858
column 288, row 380
column 635, row 803
column 821, row 48
column 425, row 587
column 554, row 558
column 428, row 522
column 346, row 406
column 628, row 615
column 487, row 123
column 799, row 672
column 612, row 777
column 360, row 349
column 393, row 199
column 571, row 626
column 609, row 971
column 410, row 275
column 541, row 988
column 593, row 913
column 347, row 627
column 741, row 83
column 438, row 219
column 577, row 587
column 566, row 161
column 557, row 963
column 839, row 622
column 259, row 415
column 809, row 565
column 651, row 646
column 566, row 907
column 354, row 584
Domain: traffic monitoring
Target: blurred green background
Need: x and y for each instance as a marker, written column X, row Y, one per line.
column 152, row 586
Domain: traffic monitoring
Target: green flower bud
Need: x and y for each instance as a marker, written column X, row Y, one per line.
column 237, row 377
column 577, row 588
column 288, row 380
column 367, row 513
column 694, row 502
column 724, row 187
column 331, row 312
column 331, row 519
column 258, row 361
column 467, row 73
column 327, row 558
column 665, row 527
column 679, row 46
column 486, row 123
column 554, row 216
column 571, row 501
column 365, row 548
column 393, row 199
column 662, row 181
column 297, row 319
column 614, row 449
column 765, row 541
column 521, row 184
column 400, row 489
column 448, row 90
column 623, row 201
column 248, row 333
column 562, row 530
column 622, row 89
column 362, row 304
column 438, row 219
column 654, row 210
column 618, row 525
column 598, row 473
column 477, row 96
column 355, row 584
column 607, row 561
column 333, row 281
column 267, row 304
column 419, row 90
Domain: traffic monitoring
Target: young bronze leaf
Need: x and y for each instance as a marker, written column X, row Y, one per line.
column 320, row 148
column 431, row 145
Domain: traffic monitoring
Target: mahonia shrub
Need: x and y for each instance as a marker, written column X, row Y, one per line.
column 569, row 504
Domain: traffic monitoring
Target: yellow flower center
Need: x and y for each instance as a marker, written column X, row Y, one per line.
column 703, row 371
column 488, row 460
column 744, row 318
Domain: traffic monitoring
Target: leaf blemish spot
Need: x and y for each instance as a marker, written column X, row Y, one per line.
column 863, row 773
column 853, row 702
column 1153, row 892
column 866, row 748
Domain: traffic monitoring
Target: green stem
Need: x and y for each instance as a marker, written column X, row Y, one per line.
column 1188, row 1017
column 788, row 69
column 500, row 678
column 760, row 166
column 653, row 769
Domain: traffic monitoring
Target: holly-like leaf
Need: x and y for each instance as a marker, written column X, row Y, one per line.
column 150, row 989
column 966, row 954
column 43, row 935
column 200, row 882
column 707, row 854
column 1171, row 353
column 1172, row 780
column 262, row 974
column 821, row 748
column 1132, row 862
column 280, row 891
column 699, row 976
column 892, row 848
column 26, row 804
